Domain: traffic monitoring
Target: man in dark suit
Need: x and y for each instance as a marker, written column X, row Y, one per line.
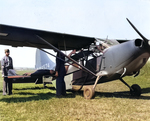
column 60, row 74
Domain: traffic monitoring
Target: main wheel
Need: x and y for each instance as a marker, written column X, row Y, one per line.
column 136, row 90
column 88, row 92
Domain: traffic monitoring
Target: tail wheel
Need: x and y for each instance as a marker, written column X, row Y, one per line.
column 136, row 90
column 88, row 92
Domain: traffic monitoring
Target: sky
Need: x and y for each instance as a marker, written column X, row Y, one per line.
column 93, row 18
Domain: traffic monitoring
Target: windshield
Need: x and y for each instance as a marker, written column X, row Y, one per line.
column 100, row 45
column 109, row 42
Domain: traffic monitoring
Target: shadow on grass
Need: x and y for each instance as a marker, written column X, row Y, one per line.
column 70, row 94
column 35, row 88
column 41, row 96
column 124, row 94
column 29, row 88
column 32, row 97
column 146, row 90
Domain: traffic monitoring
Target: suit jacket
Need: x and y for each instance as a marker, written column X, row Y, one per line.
column 6, row 63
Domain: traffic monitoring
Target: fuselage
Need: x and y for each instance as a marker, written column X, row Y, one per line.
column 124, row 59
column 117, row 61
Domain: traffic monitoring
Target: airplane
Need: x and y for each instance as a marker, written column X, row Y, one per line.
column 90, row 66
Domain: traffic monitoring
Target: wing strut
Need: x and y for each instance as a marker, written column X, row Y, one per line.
column 56, row 49
column 51, row 54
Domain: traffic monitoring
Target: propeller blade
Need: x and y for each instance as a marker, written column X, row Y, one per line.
column 145, row 39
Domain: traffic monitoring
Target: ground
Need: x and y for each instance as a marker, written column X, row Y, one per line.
column 112, row 102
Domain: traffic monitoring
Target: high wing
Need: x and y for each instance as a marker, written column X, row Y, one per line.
column 18, row 36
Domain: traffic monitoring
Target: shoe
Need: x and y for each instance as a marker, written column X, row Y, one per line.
column 4, row 94
column 59, row 96
column 64, row 95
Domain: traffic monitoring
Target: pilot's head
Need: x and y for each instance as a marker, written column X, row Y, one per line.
column 7, row 52
column 100, row 42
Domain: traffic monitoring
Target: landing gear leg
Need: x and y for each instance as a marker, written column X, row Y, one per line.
column 135, row 90
column 125, row 83
column 89, row 91
column 44, row 84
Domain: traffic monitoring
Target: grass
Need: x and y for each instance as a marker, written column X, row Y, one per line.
column 31, row 102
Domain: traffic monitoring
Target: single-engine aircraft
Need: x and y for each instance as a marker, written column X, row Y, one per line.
column 91, row 65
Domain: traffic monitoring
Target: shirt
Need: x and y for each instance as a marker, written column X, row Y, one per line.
column 6, row 63
column 60, row 67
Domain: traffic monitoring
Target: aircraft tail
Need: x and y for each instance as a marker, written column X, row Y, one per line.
column 43, row 61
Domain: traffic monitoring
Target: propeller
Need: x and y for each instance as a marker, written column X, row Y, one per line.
column 144, row 38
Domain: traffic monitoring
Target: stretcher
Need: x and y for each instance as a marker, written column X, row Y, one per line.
column 26, row 79
column 18, row 76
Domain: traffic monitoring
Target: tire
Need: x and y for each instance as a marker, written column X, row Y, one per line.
column 88, row 92
column 136, row 90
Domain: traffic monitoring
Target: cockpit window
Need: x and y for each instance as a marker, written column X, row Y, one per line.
column 101, row 45
column 108, row 41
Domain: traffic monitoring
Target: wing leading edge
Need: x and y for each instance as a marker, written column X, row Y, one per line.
column 18, row 36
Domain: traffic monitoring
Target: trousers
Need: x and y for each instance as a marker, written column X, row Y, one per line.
column 7, row 86
column 60, row 86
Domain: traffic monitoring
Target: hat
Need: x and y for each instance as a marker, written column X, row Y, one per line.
column 7, row 50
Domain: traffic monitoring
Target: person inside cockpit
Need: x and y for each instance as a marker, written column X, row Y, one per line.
column 101, row 45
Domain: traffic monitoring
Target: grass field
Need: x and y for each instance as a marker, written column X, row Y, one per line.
column 31, row 102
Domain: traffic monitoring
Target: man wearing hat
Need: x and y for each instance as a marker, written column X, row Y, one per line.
column 6, row 64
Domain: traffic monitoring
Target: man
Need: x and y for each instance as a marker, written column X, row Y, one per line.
column 7, row 64
column 60, row 74
column 40, row 73
column 101, row 45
